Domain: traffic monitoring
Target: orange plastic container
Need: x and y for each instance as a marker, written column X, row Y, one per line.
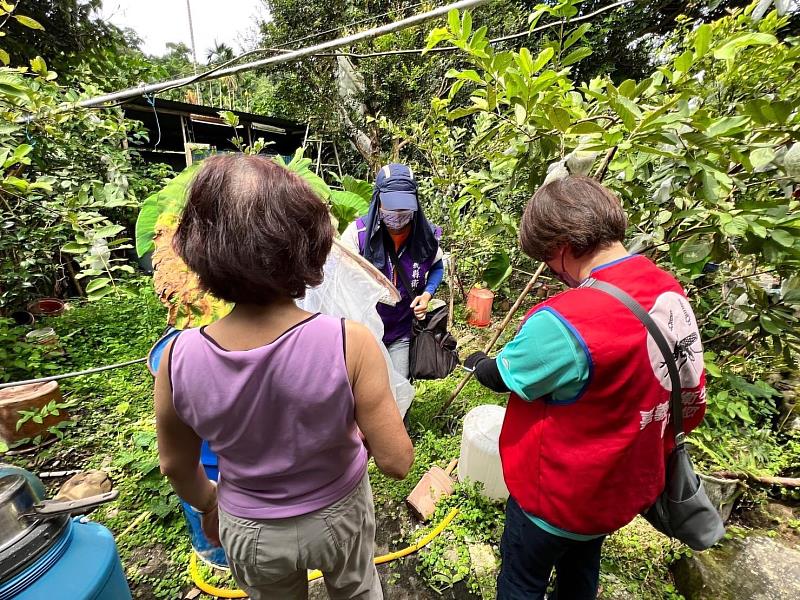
column 479, row 307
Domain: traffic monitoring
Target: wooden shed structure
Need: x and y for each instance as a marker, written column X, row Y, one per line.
column 178, row 131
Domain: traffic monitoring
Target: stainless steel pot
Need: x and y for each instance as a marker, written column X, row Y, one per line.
column 21, row 511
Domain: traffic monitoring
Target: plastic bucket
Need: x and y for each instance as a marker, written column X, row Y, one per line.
column 46, row 336
column 154, row 356
column 479, row 307
column 213, row 555
column 480, row 450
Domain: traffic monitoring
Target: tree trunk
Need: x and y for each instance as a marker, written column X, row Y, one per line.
column 353, row 112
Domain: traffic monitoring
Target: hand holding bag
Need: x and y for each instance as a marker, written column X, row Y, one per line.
column 683, row 510
column 432, row 354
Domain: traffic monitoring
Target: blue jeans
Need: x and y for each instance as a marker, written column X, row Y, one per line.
column 399, row 354
column 529, row 555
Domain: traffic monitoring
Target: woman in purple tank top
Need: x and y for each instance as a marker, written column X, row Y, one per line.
column 288, row 400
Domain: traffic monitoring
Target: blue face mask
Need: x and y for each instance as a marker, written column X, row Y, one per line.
column 396, row 219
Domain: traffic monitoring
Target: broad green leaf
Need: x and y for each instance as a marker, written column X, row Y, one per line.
column 300, row 165
column 39, row 66
column 497, row 270
column 684, row 62
column 357, row 186
column 100, row 293
column 437, row 36
column 542, row 59
column 454, row 22
column 627, row 110
column 576, row 56
column 761, row 157
column 15, row 91
column 28, row 22
column 587, row 127
column 558, row 117
column 229, row 118
column 109, row 231
column 5, row 129
column 346, row 206
column 701, row 40
column 97, row 284
column 727, row 126
column 711, row 187
column 466, row 25
column 712, row 369
column 627, row 88
column 769, row 325
column 783, row 237
column 576, row 35
column 525, row 61
column 16, row 182
column 468, row 75
column 4, row 57
column 462, row 112
column 74, row 248
column 520, row 114
column 694, row 250
column 743, row 40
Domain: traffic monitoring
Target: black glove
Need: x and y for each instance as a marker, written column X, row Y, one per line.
column 471, row 362
column 485, row 370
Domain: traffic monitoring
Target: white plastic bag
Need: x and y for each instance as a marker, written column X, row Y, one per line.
column 351, row 289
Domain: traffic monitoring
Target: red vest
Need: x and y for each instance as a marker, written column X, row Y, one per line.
column 591, row 464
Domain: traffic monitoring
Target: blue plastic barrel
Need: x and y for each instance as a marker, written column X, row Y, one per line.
column 82, row 565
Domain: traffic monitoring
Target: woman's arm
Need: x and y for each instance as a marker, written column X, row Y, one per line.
column 376, row 411
column 420, row 303
column 179, row 449
column 435, row 276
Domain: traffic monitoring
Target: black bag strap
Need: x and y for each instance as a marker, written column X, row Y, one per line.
column 388, row 243
column 658, row 337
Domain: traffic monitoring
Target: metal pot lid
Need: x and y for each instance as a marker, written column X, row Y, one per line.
column 16, row 501
column 26, row 550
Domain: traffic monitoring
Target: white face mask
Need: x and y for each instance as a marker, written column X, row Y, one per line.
column 396, row 219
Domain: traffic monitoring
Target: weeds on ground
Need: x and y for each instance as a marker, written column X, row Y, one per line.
column 116, row 430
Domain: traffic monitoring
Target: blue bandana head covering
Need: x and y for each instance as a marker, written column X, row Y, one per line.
column 396, row 189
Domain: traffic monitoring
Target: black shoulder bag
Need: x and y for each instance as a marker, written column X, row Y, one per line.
column 683, row 510
column 433, row 352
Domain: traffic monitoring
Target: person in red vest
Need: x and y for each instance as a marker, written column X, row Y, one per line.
column 587, row 429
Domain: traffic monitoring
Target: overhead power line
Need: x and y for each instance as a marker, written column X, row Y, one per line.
column 497, row 40
column 319, row 50
column 154, row 88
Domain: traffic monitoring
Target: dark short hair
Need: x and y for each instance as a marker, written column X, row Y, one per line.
column 575, row 211
column 253, row 231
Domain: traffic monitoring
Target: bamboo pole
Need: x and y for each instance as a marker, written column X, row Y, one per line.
column 782, row 481
column 498, row 333
column 451, row 270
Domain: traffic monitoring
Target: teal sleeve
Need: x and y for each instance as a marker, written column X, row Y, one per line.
column 545, row 359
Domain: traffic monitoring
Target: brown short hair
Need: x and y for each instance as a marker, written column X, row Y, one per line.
column 575, row 211
column 253, row 231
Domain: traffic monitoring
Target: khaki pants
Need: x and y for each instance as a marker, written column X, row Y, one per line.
column 270, row 558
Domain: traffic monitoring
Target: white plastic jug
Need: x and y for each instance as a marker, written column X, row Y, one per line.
column 480, row 450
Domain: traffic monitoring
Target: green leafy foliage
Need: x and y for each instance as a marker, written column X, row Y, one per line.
column 497, row 270
column 696, row 151
column 66, row 180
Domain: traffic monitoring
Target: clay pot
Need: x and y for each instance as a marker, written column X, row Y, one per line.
column 28, row 397
column 23, row 317
column 47, row 307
